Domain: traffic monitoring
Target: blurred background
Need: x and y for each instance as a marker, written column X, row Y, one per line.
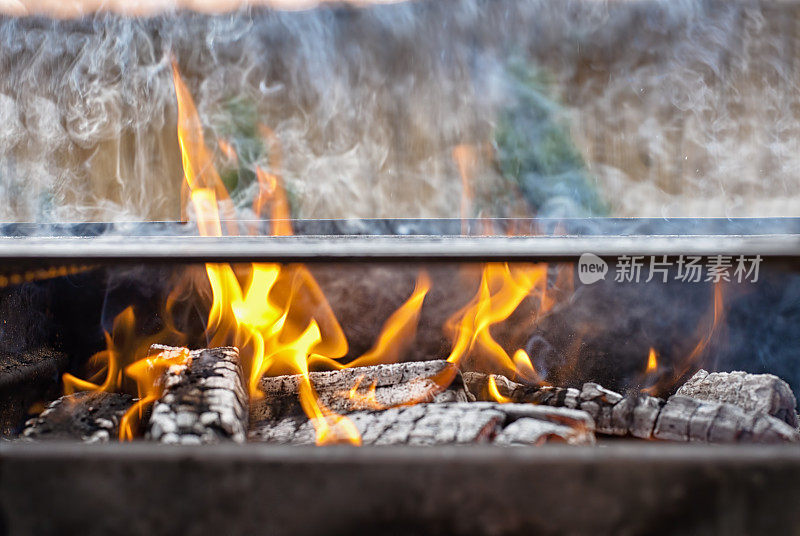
column 429, row 108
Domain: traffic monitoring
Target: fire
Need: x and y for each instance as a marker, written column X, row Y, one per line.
column 271, row 193
column 106, row 361
column 502, row 289
column 365, row 399
column 465, row 157
column 664, row 383
column 690, row 361
column 202, row 184
column 494, row 392
column 276, row 320
column 277, row 315
column 396, row 334
column 147, row 373
column 525, row 368
column 651, row 377
column 652, row 362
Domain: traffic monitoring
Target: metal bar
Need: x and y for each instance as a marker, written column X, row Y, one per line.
column 433, row 226
column 624, row 487
column 385, row 248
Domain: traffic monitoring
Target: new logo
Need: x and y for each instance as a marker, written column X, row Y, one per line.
column 591, row 268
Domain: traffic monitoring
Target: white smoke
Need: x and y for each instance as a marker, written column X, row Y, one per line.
column 680, row 107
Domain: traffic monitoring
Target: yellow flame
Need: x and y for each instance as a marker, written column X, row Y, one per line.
column 198, row 167
column 279, row 318
column 107, row 361
column 365, row 399
column 395, row 336
column 276, row 320
column 652, row 362
column 502, row 289
column 147, row 373
column 494, row 392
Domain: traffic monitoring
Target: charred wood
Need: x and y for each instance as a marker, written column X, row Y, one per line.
column 375, row 387
column 447, row 423
column 204, row 399
column 26, row 378
column 752, row 392
column 679, row 418
column 91, row 416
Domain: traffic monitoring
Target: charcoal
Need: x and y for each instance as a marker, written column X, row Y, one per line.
column 673, row 421
column 204, row 399
column 394, row 385
column 91, row 416
column 751, row 392
column 26, row 378
column 688, row 419
column 680, row 418
column 535, row 432
column 446, row 423
column 645, row 414
column 477, row 383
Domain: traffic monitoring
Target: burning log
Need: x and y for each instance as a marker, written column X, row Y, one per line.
column 752, row 392
column 91, row 416
column 680, row 418
column 204, row 399
column 362, row 388
column 447, row 423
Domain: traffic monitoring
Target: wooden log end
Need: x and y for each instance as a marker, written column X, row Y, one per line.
column 89, row 416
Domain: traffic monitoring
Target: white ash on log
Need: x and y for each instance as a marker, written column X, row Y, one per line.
column 204, row 399
column 689, row 419
column 677, row 419
column 752, row 392
column 447, row 423
column 362, row 388
column 91, row 416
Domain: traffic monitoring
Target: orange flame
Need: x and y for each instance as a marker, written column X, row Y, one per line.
column 688, row 364
column 267, row 320
column 365, row 399
column 271, row 193
column 228, row 150
column 651, row 373
column 652, row 362
column 494, row 392
column 201, row 180
column 147, row 373
column 108, row 360
column 278, row 316
column 396, row 334
column 502, row 289
column 466, row 159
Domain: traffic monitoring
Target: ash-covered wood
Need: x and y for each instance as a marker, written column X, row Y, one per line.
column 26, row 378
column 689, row 419
column 91, row 416
column 679, row 418
column 363, row 388
column 752, row 392
column 447, row 423
column 204, row 399
column 477, row 384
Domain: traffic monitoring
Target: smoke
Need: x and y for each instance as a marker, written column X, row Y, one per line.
column 677, row 108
